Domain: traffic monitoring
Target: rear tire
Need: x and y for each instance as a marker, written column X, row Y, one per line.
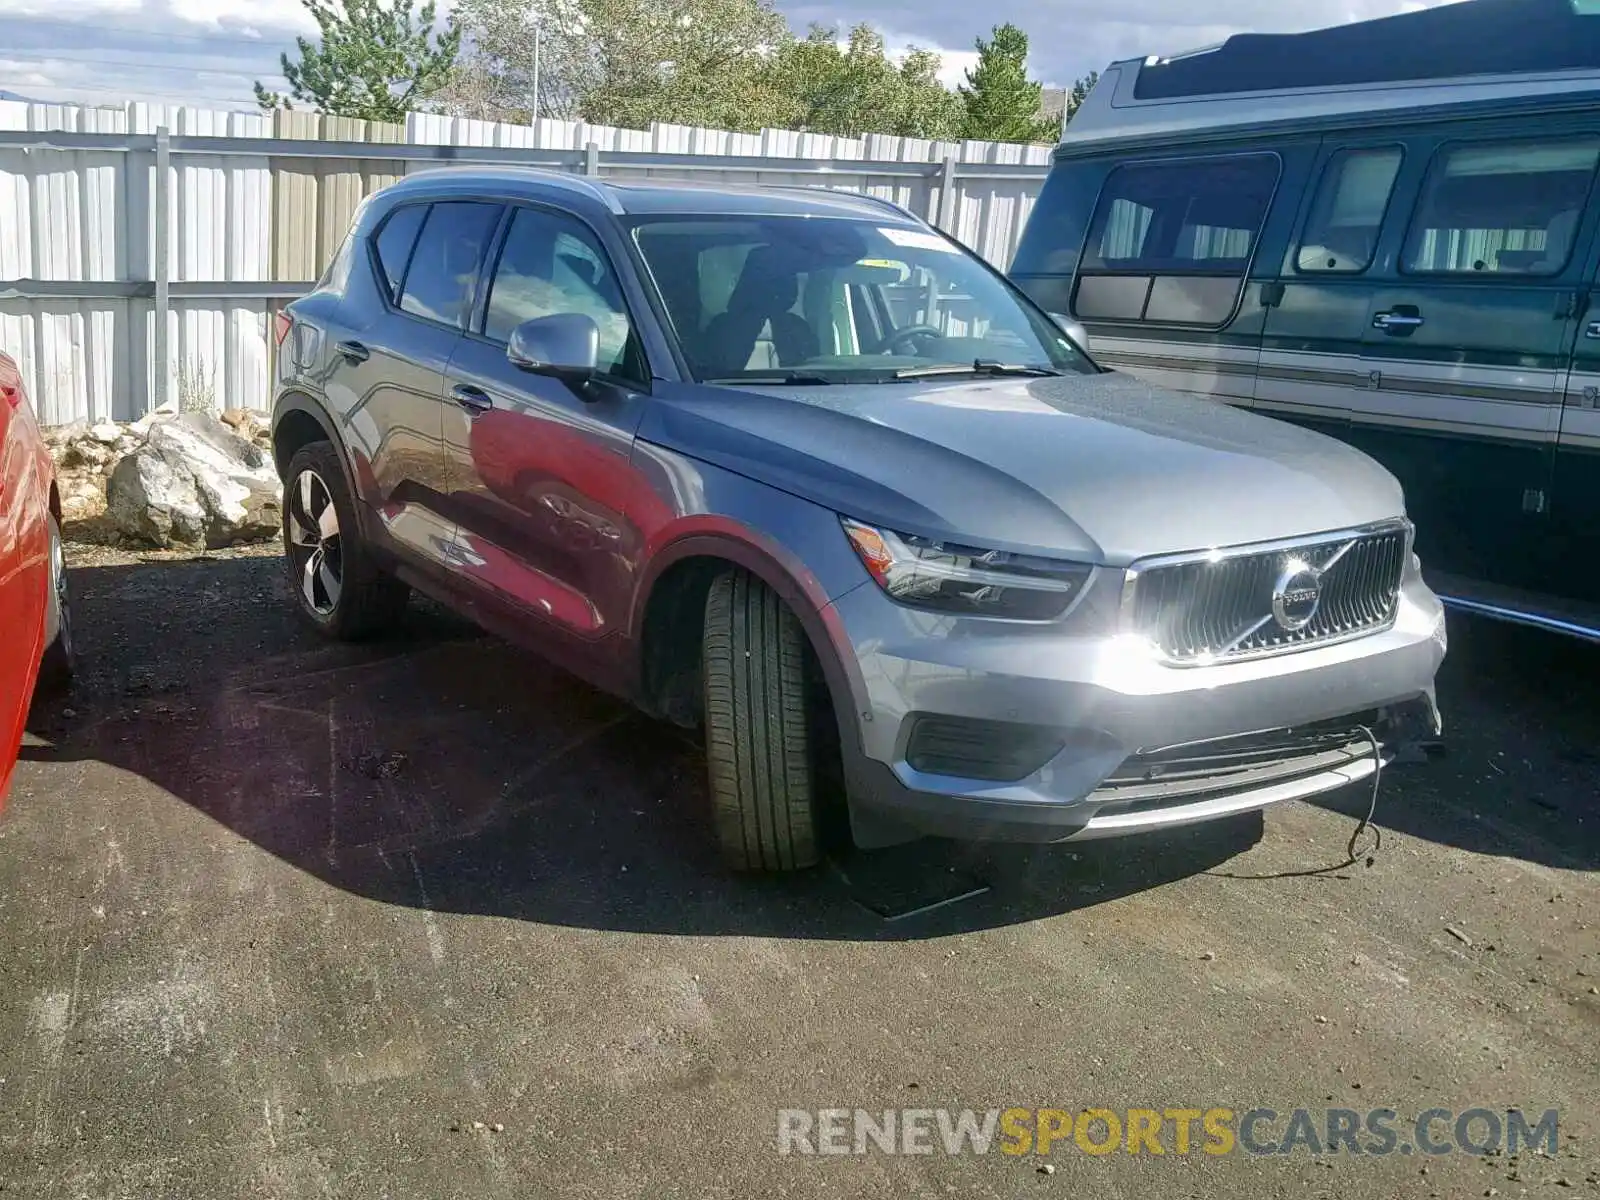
column 338, row 586
column 60, row 659
column 758, row 738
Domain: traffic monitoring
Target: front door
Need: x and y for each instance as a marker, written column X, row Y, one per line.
column 539, row 470
column 1466, row 346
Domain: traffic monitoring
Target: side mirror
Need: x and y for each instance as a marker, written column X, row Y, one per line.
column 565, row 346
column 1072, row 329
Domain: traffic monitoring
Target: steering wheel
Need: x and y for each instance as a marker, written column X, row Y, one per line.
column 887, row 346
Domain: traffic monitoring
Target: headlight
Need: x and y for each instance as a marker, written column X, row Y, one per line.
column 965, row 580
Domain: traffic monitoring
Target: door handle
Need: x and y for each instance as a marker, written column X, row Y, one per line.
column 1396, row 322
column 354, row 351
column 473, row 399
column 1593, row 331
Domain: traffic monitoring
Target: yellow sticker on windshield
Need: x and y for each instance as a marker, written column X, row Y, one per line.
column 918, row 239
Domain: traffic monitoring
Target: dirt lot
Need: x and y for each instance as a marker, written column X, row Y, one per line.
column 282, row 919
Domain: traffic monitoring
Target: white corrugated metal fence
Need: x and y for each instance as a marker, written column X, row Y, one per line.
column 255, row 203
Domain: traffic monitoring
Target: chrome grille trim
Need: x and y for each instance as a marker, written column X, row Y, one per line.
column 1215, row 605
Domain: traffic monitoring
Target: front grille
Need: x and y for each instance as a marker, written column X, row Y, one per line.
column 1221, row 606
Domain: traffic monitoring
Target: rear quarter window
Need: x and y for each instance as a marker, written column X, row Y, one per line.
column 393, row 244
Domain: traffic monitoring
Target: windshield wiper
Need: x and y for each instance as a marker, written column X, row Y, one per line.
column 978, row 366
column 776, row 377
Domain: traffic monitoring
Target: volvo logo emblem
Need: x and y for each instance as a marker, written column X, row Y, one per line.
column 1296, row 595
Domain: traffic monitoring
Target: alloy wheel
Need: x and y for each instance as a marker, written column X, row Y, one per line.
column 59, row 593
column 314, row 546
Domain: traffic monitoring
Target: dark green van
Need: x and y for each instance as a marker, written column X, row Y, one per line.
column 1388, row 231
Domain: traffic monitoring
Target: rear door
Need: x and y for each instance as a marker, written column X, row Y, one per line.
column 1467, row 340
column 385, row 366
column 1311, row 350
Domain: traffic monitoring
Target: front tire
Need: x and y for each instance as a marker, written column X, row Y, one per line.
column 338, row 586
column 758, row 737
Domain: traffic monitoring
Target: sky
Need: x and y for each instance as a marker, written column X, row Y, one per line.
column 208, row 52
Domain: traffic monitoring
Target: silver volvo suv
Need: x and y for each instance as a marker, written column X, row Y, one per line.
column 795, row 468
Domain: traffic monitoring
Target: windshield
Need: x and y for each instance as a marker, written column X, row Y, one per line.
column 824, row 300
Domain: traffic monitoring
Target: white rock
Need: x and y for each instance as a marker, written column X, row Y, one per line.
column 60, row 435
column 150, row 499
column 194, row 482
column 106, row 433
column 85, row 451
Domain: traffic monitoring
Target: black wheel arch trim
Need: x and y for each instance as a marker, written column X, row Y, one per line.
column 818, row 620
column 295, row 401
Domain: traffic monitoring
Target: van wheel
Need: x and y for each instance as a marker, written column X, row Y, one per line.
column 60, row 660
column 337, row 586
column 758, row 739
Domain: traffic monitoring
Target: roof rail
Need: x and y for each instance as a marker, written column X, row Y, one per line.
column 881, row 202
column 566, row 180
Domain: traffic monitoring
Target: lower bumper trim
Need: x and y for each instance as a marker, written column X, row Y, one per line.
column 1116, row 823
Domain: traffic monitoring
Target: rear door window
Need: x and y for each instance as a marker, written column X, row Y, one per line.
column 394, row 242
column 1347, row 214
column 1502, row 208
column 1170, row 242
column 443, row 275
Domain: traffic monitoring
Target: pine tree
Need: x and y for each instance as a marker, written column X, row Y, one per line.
column 376, row 59
column 1080, row 92
column 1002, row 103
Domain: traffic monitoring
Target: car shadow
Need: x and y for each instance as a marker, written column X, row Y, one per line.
column 512, row 788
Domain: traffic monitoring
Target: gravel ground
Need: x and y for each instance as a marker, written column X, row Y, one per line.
column 428, row 919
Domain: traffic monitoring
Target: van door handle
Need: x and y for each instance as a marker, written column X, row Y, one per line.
column 473, row 399
column 1593, row 331
column 354, row 351
column 1397, row 322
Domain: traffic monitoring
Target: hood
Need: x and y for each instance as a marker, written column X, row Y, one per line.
column 1097, row 467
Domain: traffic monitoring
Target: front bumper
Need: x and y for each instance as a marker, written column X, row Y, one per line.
column 1133, row 744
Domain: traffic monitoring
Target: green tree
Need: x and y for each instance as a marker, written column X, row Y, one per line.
column 1002, row 104
column 857, row 89
column 1079, row 93
column 619, row 62
column 375, row 59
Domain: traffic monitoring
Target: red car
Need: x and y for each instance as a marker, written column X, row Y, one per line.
column 35, row 619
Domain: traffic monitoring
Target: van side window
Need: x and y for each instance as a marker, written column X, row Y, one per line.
column 1170, row 242
column 1342, row 231
column 1502, row 207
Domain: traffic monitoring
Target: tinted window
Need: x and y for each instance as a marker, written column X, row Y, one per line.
column 1347, row 214
column 843, row 300
column 552, row 264
column 443, row 274
column 394, row 242
column 1502, row 208
column 1198, row 215
column 1170, row 242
